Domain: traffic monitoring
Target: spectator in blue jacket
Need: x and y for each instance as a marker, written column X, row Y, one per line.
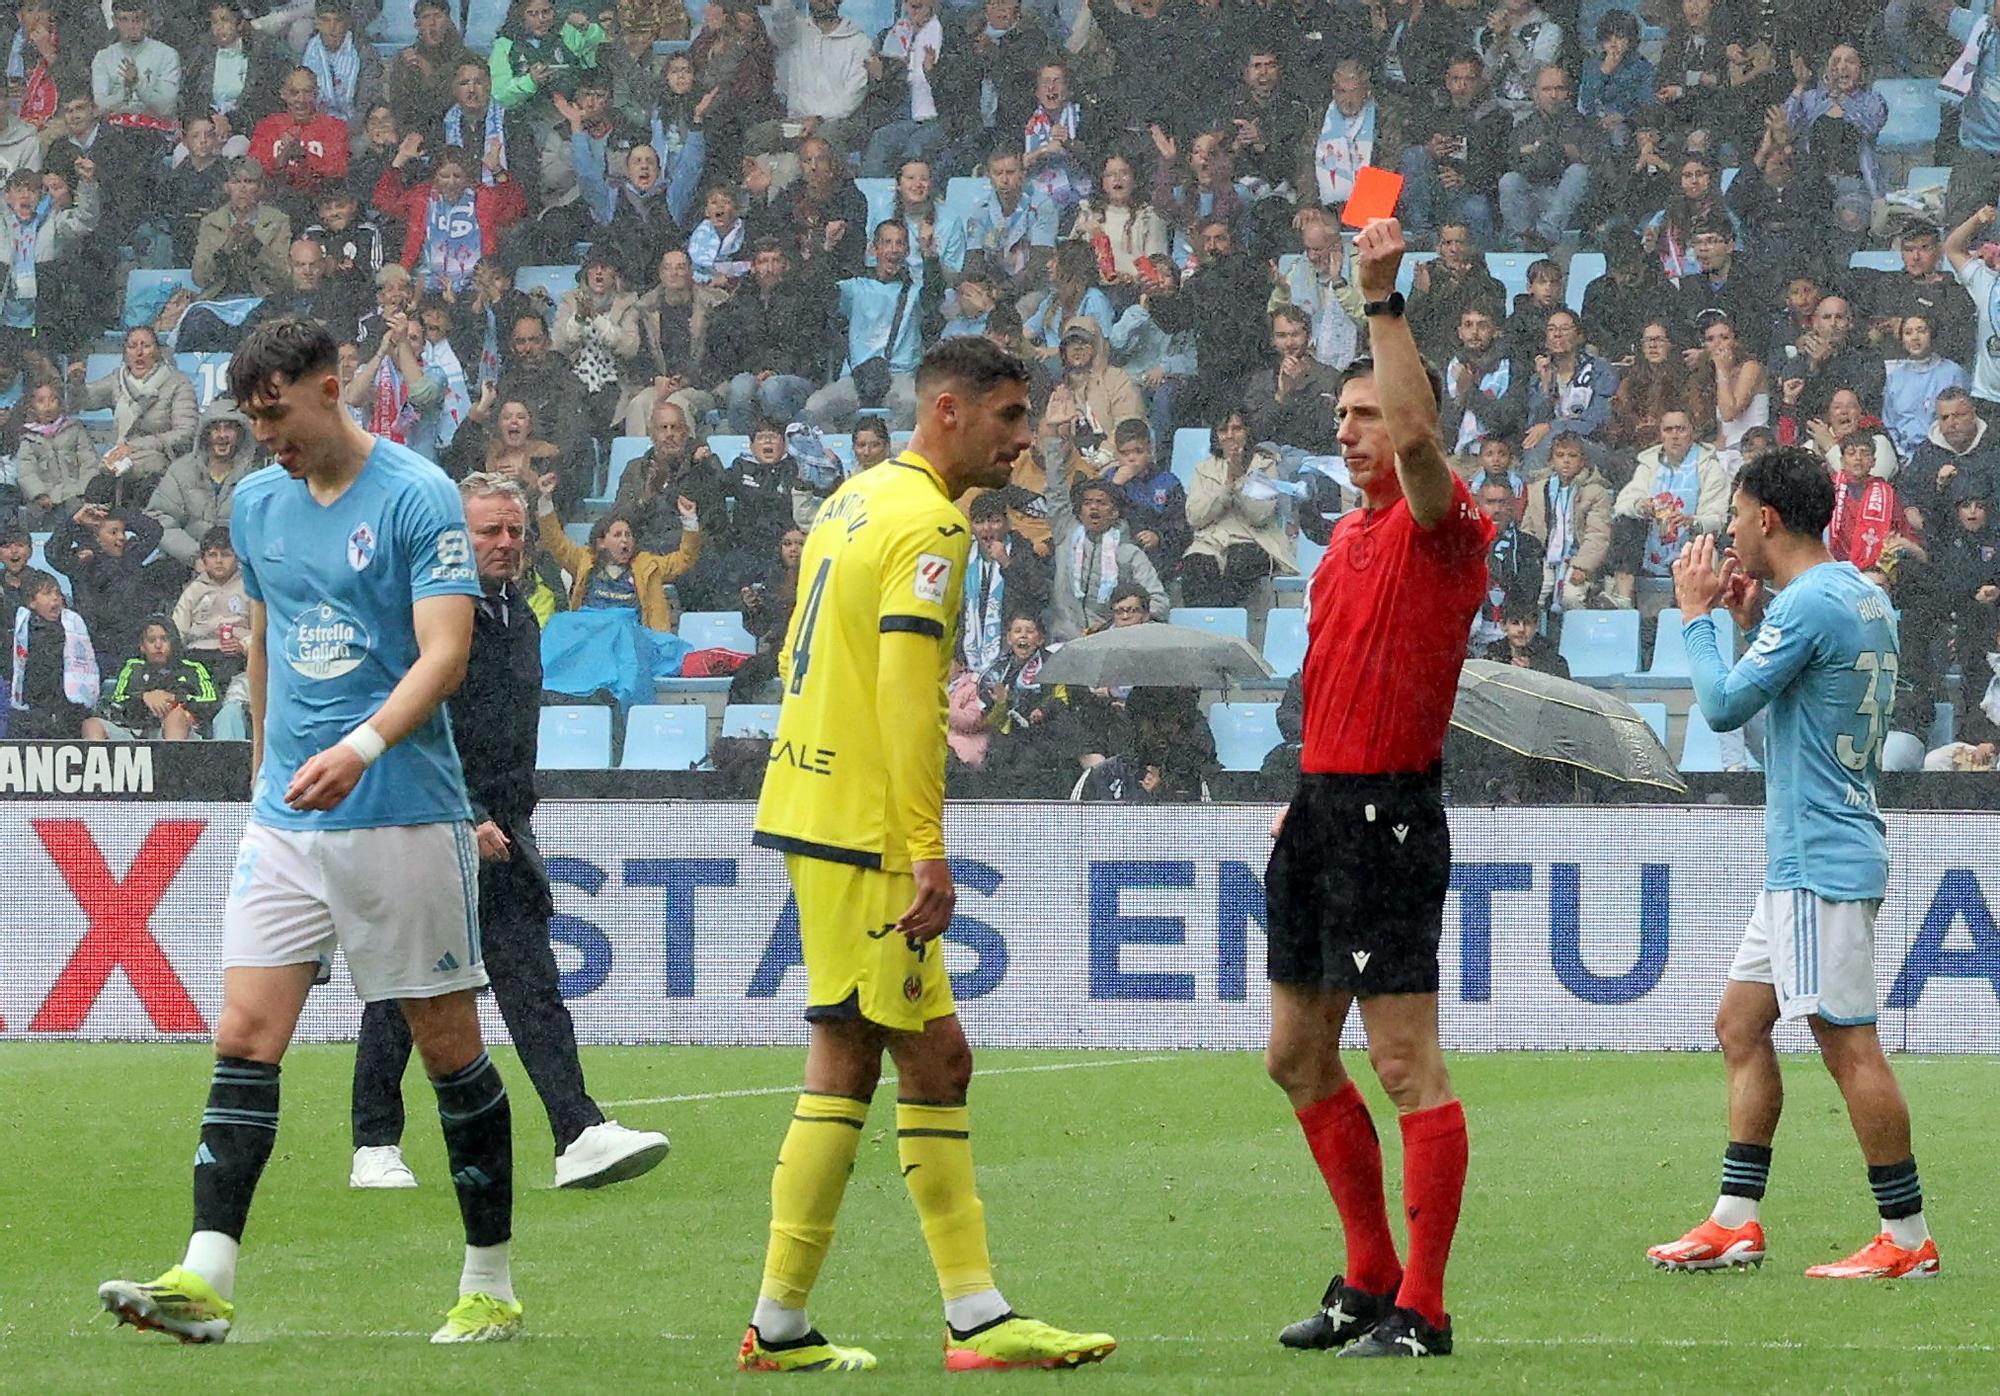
column 1620, row 82
column 1570, row 391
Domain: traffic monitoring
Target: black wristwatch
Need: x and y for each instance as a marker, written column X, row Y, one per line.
column 1392, row 304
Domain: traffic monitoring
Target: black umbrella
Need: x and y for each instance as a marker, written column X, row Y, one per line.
column 1551, row 719
column 1154, row 655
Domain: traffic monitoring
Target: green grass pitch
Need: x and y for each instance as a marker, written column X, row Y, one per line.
column 1167, row 1198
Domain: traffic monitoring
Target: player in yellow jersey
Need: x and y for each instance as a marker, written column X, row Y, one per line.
column 854, row 799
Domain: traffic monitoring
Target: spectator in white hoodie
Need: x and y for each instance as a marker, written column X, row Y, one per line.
column 824, row 66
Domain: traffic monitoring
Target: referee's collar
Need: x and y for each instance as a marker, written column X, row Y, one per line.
column 910, row 460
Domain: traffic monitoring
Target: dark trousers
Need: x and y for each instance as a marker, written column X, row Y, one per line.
column 514, row 911
column 1231, row 582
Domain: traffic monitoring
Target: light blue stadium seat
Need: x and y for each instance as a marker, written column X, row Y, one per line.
column 726, row 449
column 624, row 450
column 1876, row 259
column 1902, row 752
column 707, row 630
column 483, row 19
column 666, row 48
column 146, row 290
column 1701, row 748
column 1600, row 645
column 1669, row 668
column 557, row 281
column 1406, row 275
column 397, row 24
column 1215, row 620
column 1285, row 640
column 1729, row 173
column 963, row 194
column 96, row 366
column 750, row 720
column 579, row 533
column 1190, row 449
column 1656, row 718
column 1510, row 269
column 574, row 739
column 208, row 372
column 1245, row 733
column 872, row 16
column 1584, row 268
column 1928, row 177
column 1308, row 556
column 1914, row 112
column 665, row 737
column 38, row 557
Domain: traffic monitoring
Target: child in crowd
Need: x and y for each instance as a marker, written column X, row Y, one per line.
column 158, row 695
column 55, row 681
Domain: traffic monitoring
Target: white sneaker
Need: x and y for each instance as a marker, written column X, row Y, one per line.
column 609, row 1153
column 381, row 1167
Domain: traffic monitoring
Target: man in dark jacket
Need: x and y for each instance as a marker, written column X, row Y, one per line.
column 1456, row 152
column 494, row 719
column 540, row 377
column 1229, row 344
column 103, row 552
column 763, row 342
column 1961, row 445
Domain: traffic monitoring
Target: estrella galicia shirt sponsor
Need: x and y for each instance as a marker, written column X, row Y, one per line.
column 338, row 582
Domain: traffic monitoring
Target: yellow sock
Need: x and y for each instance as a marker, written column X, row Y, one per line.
column 806, row 1188
column 935, row 1145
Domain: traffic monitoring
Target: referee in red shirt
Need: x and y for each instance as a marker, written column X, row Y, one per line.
column 1358, row 877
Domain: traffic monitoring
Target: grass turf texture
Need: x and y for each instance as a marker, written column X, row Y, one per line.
column 1166, row 1198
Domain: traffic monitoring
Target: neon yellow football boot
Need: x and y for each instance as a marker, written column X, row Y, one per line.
column 810, row 1353
column 180, row 1303
column 1015, row 1341
column 480, row 1318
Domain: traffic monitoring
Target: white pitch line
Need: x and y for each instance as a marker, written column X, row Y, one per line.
column 978, row 1075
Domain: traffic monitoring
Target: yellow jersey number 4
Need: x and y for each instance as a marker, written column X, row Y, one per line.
column 802, row 651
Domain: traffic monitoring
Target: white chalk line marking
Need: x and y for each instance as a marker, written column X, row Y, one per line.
column 978, row 1075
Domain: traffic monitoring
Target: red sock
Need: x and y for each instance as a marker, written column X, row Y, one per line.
column 1344, row 1145
column 1434, row 1150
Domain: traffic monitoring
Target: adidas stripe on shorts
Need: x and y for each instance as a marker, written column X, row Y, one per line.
column 401, row 900
column 1819, row 955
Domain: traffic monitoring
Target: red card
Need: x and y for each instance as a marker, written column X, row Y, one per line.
column 1375, row 194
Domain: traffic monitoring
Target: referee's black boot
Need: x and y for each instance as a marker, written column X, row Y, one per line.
column 1345, row 1313
column 1404, row 1333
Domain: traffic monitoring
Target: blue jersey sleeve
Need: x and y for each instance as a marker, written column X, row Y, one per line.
column 1731, row 697
column 434, row 539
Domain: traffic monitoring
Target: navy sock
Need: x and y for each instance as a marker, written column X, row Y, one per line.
column 1898, row 1194
column 479, row 1141
column 237, row 1131
column 1746, row 1169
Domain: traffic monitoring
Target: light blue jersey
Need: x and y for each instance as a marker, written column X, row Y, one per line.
column 1826, row 662
column 337, row 582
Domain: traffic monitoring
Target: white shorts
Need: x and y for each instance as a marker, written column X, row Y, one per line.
column 1819, row 956
column 402, row 901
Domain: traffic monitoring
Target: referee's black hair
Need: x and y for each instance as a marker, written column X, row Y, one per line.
column 279, row 352
column 1364, row 367
column 973, row 361
column 1793, row 482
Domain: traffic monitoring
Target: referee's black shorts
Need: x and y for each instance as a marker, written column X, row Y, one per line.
column 1356, row 885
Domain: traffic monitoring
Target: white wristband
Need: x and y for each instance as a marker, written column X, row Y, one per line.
column 366, row 743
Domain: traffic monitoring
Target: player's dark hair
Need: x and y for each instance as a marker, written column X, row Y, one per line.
column 281, row 351
column 1364, row 367
column 1794, row 483
column 973, row 362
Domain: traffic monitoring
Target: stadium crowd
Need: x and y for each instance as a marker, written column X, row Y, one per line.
column 673, row 271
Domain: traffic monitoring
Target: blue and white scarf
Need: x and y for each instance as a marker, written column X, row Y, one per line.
column 983, row 622
column 706, row 247
column 1059, row 179
column 454, row 134
column 452, row 246
column 27, row 238
column 1345, row 144
column 1679, row 486
column 1004, row 238
column 338, row 75
column 1106, row 581
column 1493, row 385
column 441, row 357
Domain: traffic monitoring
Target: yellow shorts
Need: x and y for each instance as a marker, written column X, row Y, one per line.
column 856, row 967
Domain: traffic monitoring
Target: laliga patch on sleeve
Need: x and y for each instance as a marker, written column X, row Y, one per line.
column 933, row 578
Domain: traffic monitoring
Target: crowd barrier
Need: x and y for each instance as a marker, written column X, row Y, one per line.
column 1078, row 926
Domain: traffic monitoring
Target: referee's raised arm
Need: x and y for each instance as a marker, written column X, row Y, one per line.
column 1409, row 399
